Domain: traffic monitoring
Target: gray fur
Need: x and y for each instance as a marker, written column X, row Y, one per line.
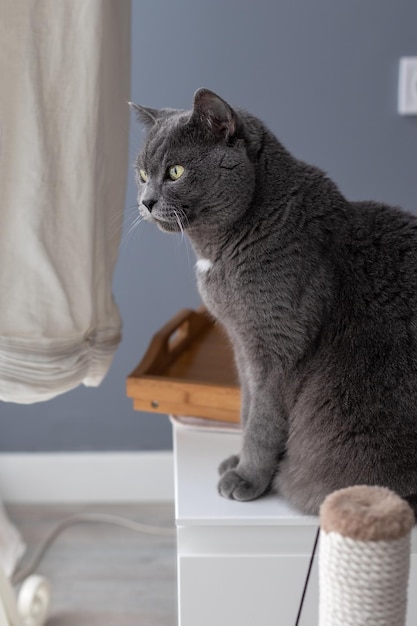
column 317, row 294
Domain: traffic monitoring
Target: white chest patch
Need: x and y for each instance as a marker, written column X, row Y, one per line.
column 203, row 265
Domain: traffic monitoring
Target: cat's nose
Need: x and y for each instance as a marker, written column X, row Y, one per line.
column 149, row 203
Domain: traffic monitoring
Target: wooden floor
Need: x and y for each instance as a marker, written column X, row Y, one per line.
column 102, row 574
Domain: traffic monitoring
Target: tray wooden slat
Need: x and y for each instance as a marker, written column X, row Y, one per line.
column 188, row 370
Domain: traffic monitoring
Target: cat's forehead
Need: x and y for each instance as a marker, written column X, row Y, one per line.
column 169, row 135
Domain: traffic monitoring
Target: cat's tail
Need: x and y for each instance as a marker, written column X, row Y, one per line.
column 412, row 501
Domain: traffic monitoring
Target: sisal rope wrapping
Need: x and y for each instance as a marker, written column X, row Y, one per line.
column 364, row 581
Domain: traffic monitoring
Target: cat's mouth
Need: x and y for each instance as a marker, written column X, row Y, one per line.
column 173, row 223
column 168, row 221
column 167, row 225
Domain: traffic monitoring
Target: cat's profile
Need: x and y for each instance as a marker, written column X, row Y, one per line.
column 317, row 294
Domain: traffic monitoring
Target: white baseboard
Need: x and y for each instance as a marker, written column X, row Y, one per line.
column 87, row 477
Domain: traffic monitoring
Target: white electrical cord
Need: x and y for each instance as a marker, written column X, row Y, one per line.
column 86, row 518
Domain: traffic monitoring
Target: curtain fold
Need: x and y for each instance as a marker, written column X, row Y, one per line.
column 65, row 68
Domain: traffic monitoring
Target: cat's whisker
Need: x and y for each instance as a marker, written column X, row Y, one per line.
column 117, row 215
column 185, row 218
column 178, row 213
column 185, row 226
column 177, row 217
column 117, row 220
column 134, row 227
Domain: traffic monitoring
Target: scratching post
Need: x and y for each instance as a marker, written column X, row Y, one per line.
column 364, row 557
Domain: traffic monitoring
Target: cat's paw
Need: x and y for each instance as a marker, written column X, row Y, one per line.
column 234, row 486
column 230, row 463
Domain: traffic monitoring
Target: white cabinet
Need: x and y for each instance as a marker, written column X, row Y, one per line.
column 241, row 563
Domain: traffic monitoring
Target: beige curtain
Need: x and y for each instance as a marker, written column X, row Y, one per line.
column 64, row 87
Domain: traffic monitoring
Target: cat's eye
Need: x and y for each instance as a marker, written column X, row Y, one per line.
column 175, row 172
column 143, row 175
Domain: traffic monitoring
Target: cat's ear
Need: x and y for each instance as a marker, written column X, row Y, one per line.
column 214, row 114
column 144, row 115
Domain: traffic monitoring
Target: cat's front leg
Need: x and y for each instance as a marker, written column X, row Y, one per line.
column 245, row 401
column 249, row 475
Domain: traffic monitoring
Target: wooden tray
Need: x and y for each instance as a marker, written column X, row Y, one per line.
column 188, row 370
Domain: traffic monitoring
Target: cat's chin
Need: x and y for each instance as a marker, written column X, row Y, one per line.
column 168, row 227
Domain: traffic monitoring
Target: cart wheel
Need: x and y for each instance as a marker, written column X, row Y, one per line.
column 33, row 600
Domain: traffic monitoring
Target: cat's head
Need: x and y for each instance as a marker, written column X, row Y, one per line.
column 196, row 169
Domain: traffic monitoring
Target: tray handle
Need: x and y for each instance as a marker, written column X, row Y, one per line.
column 172, row 339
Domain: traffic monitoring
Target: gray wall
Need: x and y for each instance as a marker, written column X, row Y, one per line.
column 323, row 75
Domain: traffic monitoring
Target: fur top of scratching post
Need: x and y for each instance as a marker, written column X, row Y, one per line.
column 366, row 513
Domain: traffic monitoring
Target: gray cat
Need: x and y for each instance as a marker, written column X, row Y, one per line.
column 317, row 294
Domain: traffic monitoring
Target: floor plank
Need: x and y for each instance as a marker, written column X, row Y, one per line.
column 102, row 574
